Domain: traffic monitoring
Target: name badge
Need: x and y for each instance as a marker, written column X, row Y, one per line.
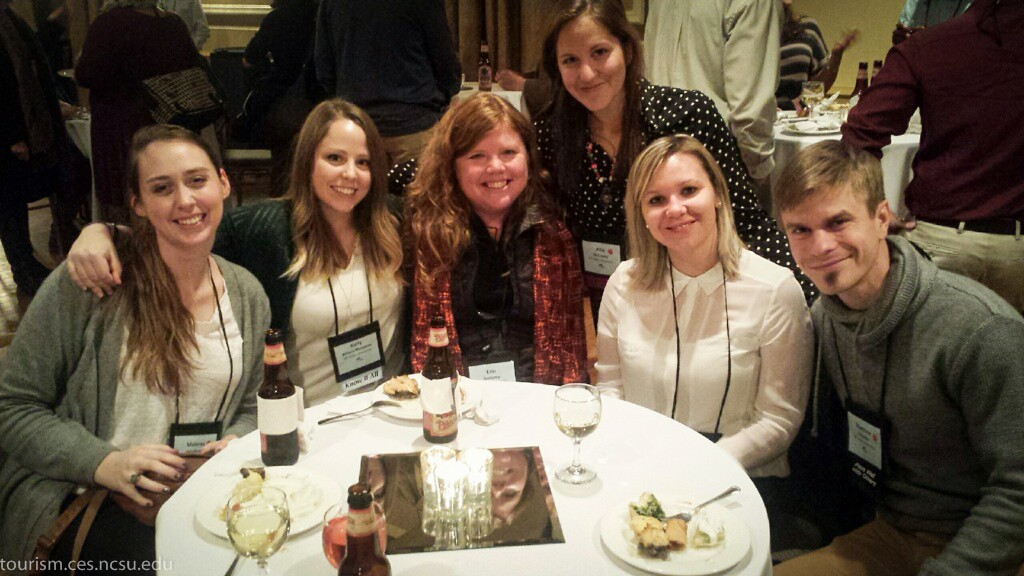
column 504, row 371
column 358, row 357
column 600, row 257
column 867, row 433
column 190, row 438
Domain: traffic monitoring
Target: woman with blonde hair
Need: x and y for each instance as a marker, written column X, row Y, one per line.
column 733, row 360
column 488, row 253
column 99, row 393
column 328, row 254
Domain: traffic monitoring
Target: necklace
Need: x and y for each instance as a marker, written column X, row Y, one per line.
column 605, row 182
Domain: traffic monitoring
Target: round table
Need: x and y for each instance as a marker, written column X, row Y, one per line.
column 897, row 160
column 633, row 450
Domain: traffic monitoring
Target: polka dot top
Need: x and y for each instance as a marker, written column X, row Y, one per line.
column 597, row 208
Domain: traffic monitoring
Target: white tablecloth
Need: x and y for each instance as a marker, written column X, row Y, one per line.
column 897, row 159
column 633, row 450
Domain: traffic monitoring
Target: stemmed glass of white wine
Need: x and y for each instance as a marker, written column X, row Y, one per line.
column 577, row 413
column 813, row 92
column 258, row 525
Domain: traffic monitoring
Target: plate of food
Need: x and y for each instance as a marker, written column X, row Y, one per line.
column 818, row 127
column 405, row 390
column 309, row 493
column 714, row 540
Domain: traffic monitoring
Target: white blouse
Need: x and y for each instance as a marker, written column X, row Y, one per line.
column 772, row 352
column 143, row 417
column 312, row 323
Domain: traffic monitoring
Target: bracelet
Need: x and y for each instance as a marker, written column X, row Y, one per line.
column 112, row 230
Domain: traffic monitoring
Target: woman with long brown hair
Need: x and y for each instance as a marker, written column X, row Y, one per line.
column 99, row 393
column 603, row 113
column 487, row 251
column 328, row 254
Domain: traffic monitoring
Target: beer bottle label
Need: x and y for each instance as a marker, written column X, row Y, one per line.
column 273, row 354
column 439, row 425
column 438, row 338
column 361, row 522
column 276, row 417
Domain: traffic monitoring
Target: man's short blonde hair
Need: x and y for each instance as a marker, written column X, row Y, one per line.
column 825, row 166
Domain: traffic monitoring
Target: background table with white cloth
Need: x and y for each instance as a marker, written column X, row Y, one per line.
column 514, row 97
column 897, row 160
column 633, row 450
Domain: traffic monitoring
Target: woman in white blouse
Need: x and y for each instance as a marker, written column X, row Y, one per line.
column 696, row 326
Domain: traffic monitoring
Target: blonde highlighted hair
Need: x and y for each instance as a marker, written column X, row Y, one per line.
column 161, row 330
column 318, row 254
column 652, row 258
column 437, row 209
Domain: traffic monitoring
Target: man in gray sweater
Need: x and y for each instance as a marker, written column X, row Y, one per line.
column 929, row 368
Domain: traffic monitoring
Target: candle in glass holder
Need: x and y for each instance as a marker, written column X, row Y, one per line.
column 429, row 460
column 450, row 479
column 480, row 462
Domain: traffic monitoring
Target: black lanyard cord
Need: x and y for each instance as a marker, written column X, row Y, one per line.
column 334, row 302
column 728, row 339
column 842, row 368
column 227, row 347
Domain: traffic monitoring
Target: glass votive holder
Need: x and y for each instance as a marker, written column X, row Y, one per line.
column 480, row 462
column 450, row 479
column 429, row 460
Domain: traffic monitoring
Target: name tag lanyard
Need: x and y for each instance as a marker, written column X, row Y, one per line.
column 348, row 302
column 868, row 474
column 358, row 354
column 716, row 435
column 205, row 430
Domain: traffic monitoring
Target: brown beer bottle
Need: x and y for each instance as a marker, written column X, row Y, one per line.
column 276, row 413
column 440, row 420
column 362, row 549
column 875, row 67
column 862, row 79
column 485, row 73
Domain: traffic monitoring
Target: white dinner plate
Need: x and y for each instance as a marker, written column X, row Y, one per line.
column 621, row 542
column 309, row 493
column 793, row 129
column 468, row 395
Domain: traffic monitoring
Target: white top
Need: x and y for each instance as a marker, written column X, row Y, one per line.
column 632, row 450
column 772, row 351
column 312, row 323
column 729, row 50
column 144, row 417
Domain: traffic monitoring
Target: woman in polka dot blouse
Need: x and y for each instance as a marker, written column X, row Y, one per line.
column 604, row 113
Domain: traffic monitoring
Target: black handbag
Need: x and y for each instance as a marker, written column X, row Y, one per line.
column 185, row 98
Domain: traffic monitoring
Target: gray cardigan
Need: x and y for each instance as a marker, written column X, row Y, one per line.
column 57, row 389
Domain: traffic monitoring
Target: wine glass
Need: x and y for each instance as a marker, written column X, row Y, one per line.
column 258, row 525
column 812, row 94
column 577, row 412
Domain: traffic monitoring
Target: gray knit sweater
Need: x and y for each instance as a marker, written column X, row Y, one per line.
column 955, row 399
column 57, row 388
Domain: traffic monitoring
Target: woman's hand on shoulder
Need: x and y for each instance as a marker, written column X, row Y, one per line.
column 92, row 261
column 122, row 471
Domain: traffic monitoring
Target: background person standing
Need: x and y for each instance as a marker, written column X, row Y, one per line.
column 392, row 58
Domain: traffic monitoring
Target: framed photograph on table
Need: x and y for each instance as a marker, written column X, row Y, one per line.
column 636, row 10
